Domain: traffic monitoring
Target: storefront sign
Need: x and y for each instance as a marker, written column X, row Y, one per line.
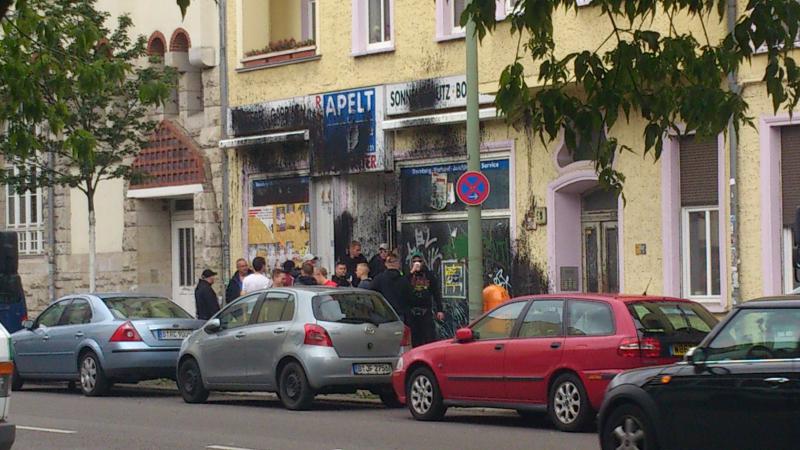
column 352, row 136
column 430, row 94
column 288, row 114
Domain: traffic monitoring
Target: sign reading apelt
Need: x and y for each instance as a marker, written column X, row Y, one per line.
column 430, row 94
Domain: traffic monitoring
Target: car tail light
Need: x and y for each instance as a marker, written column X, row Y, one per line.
column 6, row 372
column 316, row 335
column 125, row 333
column 646, row 347
column 406, row 342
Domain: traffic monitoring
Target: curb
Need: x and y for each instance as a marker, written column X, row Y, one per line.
column 347, row 398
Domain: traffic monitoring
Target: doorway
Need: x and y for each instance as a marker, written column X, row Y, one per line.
column 600, row 242
column 183, row 274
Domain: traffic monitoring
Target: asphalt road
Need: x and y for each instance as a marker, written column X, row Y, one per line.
column 51, row 417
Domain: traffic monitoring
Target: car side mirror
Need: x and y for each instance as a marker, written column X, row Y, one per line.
column 464, row 335
column 212, row 326
column 27, row 324
column 696, row 356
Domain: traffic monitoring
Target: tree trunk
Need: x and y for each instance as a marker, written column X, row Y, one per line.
column 92, row 244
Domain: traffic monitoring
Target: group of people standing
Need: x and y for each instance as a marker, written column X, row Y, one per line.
column 416, row 295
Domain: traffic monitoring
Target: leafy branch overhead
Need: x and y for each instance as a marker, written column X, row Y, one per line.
column 656, row 59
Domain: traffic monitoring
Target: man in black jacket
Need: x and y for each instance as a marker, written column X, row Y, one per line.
column 352, row 259
column 235, row 284
column 426, row 293
column 378, row 262
column 394, row 286
column 306, row 277
column 205, row 299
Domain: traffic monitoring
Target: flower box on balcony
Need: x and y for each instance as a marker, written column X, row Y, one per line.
column 277, row 57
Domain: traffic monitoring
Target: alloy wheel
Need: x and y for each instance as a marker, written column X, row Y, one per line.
column 293, row 386
column 88, row 373
column 421, row 394
column 567, row 402
column 629, row 435
column 189, row 380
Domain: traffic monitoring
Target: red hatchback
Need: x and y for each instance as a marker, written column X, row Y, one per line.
column 548, row 352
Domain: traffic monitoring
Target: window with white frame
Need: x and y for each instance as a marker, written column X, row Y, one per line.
column 277, row 26
column 448, row 19
column 379, row 23
column 457, row 8
column 372, row 26
column 700, row 223
column 701, row 252
column 24, row 215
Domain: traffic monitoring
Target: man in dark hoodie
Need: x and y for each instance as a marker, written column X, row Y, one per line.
column 340, row 276
column 205, row 299
column 394, row 286
column 306, row 277
column 426, row 294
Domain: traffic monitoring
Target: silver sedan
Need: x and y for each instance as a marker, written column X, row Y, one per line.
column 101, row 338
column 298, row 342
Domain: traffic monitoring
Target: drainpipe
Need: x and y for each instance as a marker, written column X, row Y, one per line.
column 51, row 234
column 733, row 85
column 223, row 105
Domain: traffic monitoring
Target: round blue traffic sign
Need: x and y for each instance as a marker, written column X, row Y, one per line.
column 472, row 188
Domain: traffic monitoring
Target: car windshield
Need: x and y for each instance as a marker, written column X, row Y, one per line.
column 758, row 334
column 671, row 317
column 144, row 308
column 353, row 307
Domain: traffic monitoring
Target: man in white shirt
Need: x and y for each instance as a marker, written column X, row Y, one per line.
column 257, row 280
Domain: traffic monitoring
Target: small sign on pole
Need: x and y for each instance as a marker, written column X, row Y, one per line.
column 473, row 188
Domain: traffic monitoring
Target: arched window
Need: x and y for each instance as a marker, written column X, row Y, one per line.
column 156, row 45
column 180, row 41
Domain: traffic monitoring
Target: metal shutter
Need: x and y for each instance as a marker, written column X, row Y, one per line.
column 790, row 172
column 699, row 172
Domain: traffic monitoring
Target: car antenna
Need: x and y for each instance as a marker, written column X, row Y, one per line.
column 648, row 286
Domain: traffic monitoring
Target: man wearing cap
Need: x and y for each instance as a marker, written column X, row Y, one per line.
column 205, row 299
column 378, row 262
column 426, row 294
column 310, row 258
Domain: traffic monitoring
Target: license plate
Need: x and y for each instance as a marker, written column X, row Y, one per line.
column 680, row 349
column 372, row 369
column 165, row 335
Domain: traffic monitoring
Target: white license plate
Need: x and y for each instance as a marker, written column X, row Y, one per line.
column 165, row 335
column 372, row 369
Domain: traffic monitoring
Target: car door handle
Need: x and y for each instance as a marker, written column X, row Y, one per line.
column 555, row 344
column 240, row 335
column 79, row 334
column 499, row 347
column 777, row 380
column 280, row 330
column 45, row 337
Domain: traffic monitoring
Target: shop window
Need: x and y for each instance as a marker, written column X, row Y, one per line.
column 24, row 215
column 277, row 30
column 373, row 29
column 431, row 189
column 279, row 219
column 700, row 227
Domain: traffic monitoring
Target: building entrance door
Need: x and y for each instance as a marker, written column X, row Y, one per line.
column 183, row 276
column 600, row 242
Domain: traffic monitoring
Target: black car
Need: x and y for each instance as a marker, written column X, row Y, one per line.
column 738, row 390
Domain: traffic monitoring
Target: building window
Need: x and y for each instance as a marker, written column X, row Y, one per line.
column 448, row 19
column 373, row 30
column 284, row 27
column 701, row 252
column 24, row 215
column 700, row 226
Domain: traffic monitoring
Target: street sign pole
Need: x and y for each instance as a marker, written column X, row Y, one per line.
column 474, row 243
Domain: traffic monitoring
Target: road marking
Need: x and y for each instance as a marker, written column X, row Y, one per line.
column 223, row 447
column 46, row 430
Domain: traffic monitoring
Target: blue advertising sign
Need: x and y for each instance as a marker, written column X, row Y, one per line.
column 351, row 127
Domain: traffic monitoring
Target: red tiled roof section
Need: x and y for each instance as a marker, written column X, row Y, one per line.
column 170, row 159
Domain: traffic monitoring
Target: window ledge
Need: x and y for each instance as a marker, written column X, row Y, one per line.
column 269, row 65
column 451, row 37
column 279, row 58
column 373, row 51
column 712, row 304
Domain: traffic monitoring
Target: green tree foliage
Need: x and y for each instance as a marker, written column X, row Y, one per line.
column 668, row 76
column 75, row 97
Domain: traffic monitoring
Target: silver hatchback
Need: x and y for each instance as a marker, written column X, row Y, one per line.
column 298, row 342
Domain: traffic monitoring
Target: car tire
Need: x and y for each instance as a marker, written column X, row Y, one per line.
column 389, row 399
column 423, row 396
column 568, row 405
column 628, row 427
column 16, row 380
column 94, row 382
column 295, row 393
column 190, row 382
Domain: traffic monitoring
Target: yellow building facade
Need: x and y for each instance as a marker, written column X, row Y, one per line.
column 346, row 121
